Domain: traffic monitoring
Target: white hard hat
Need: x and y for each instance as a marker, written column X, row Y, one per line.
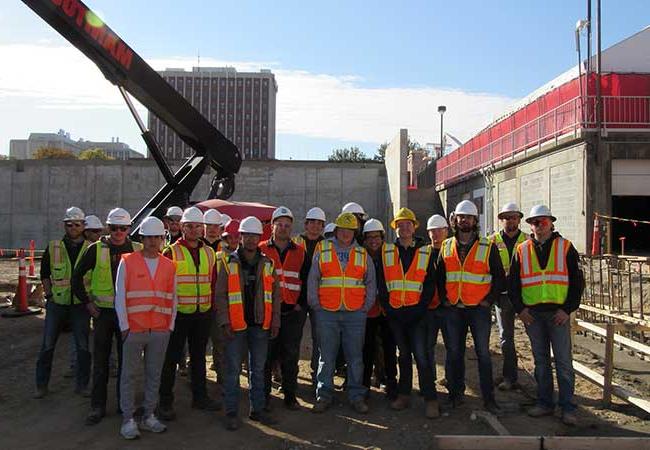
column 212, row 217
column 73, row 213
column 282, row 211
column 174, row 211
column 540, row 211
column 225, row 218
column 353, row 208
column 192, row 215
column 315, row 214
column 510, row 208
column 152, row 226
column 93, row 223
column 118, row 216
column 329, row 228
column 467, row 208
column 436, row 221
column 251, row 225
column 373, row 225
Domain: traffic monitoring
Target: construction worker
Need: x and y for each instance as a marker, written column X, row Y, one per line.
column 309, row 239
column 59, row 259
column 376, row 324
column 545, row 287
column 438, row 231
column 406, row 288
column 289, row 262
column 361, row 216
column 248, row 310
column 172, row 221
column 100, row 262
column 93, row 228
column 328, row 231
column 469, row 277
column 145, row 304
column 341, row 291
column 213, row 229
column 506, row 241
column 230, row 237
column 195, row 270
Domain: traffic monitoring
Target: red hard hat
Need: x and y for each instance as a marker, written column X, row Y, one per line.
column 231, row 229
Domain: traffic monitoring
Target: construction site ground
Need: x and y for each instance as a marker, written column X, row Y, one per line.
column 58, row 420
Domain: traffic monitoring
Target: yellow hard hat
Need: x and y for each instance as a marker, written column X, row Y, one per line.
column 347, row 221
column 404, row 214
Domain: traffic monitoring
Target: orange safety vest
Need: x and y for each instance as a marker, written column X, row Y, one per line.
column 470, row 281
column 149, row 301
column 288, row 272
column 338, row 287
column 404, row 289
column 236, row 297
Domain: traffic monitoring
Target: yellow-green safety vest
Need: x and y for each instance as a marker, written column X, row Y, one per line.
column 497, row 239
column 548, row 285
column 193, row 285
column 61, row 272
column 102, row 287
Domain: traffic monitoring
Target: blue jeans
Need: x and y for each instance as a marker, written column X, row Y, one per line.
column 56, row 317
column 335, row 328
column 478, row 321
column 412, row 341
column 505, row 314
column 436, row 322
column 544, row 334
column 257, row 340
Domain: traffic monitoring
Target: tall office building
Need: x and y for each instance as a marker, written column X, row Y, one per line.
column 239, row 104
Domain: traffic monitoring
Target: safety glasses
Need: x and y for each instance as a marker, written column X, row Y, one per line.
column 74, row 224
column 118, row 228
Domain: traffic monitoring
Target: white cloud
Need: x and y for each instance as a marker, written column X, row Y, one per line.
column 62, row 79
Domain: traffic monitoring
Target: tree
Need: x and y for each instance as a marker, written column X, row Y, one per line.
column 380, row 156
column 413, row 145
column 352, row 154
column 53, row 153
column 94, row 153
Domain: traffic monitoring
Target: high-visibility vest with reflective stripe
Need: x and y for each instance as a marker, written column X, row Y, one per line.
column 548, row 285
column 193, row 284
column 236, row 297
column 470, row 281
column 497, row 239
column 102, row 287
column 341, row 288
column 404, row 289
column 149, row 301
column 61, row 272
column 299, row 241
column 288, row 271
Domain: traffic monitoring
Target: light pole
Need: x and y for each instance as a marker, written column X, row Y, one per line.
column 441, row 110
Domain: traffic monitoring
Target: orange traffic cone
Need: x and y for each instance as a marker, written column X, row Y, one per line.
column 595, row 238
column 20, row 300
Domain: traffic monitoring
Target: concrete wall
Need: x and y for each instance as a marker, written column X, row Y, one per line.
column 36, row 193
column 395, row 162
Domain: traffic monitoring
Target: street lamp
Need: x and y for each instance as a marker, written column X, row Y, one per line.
column 441, row 110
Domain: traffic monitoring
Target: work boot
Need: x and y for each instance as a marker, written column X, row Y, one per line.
column 95, row 416
column 540, row 411
column 232, row 422
column 129, row 430
column 432, row 410
column 506, row 385
column 401, row 402
column 291, row 403
column 166, row 412
column 360, row 406
column 40, row 392
column 206, row 404
column 455, row 401
column 320, row 406
column 492, row 407
column 263, row 418
column 152, row 424
column 569, row 418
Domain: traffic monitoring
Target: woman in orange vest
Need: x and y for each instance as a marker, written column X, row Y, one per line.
column 247, row 298
column 470, row 278
column 145, row 304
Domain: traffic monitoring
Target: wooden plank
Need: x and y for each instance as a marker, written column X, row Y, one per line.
column 639, row 347
column 609, row 365
column 616, row 316
column 617, row 389
column 487, row 442
column 595, row 443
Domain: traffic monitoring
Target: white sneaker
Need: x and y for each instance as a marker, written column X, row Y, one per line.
column 152, row 424
column 129, row 430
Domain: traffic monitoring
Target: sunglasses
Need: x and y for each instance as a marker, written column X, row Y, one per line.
column 74, row 224
column 538, row 222
column 118, row 228
column 510, row 217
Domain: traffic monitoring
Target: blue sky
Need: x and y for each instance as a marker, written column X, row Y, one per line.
column 349, row 73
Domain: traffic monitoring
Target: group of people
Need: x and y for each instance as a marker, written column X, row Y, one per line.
column 374, row 306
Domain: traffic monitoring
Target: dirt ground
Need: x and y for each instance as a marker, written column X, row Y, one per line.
column 58, row 420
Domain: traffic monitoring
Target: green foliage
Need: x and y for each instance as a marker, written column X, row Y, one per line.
column 53, row 153
column 94, row 153
column 352, row 154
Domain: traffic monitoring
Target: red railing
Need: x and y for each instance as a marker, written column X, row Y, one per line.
column 619, row 112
